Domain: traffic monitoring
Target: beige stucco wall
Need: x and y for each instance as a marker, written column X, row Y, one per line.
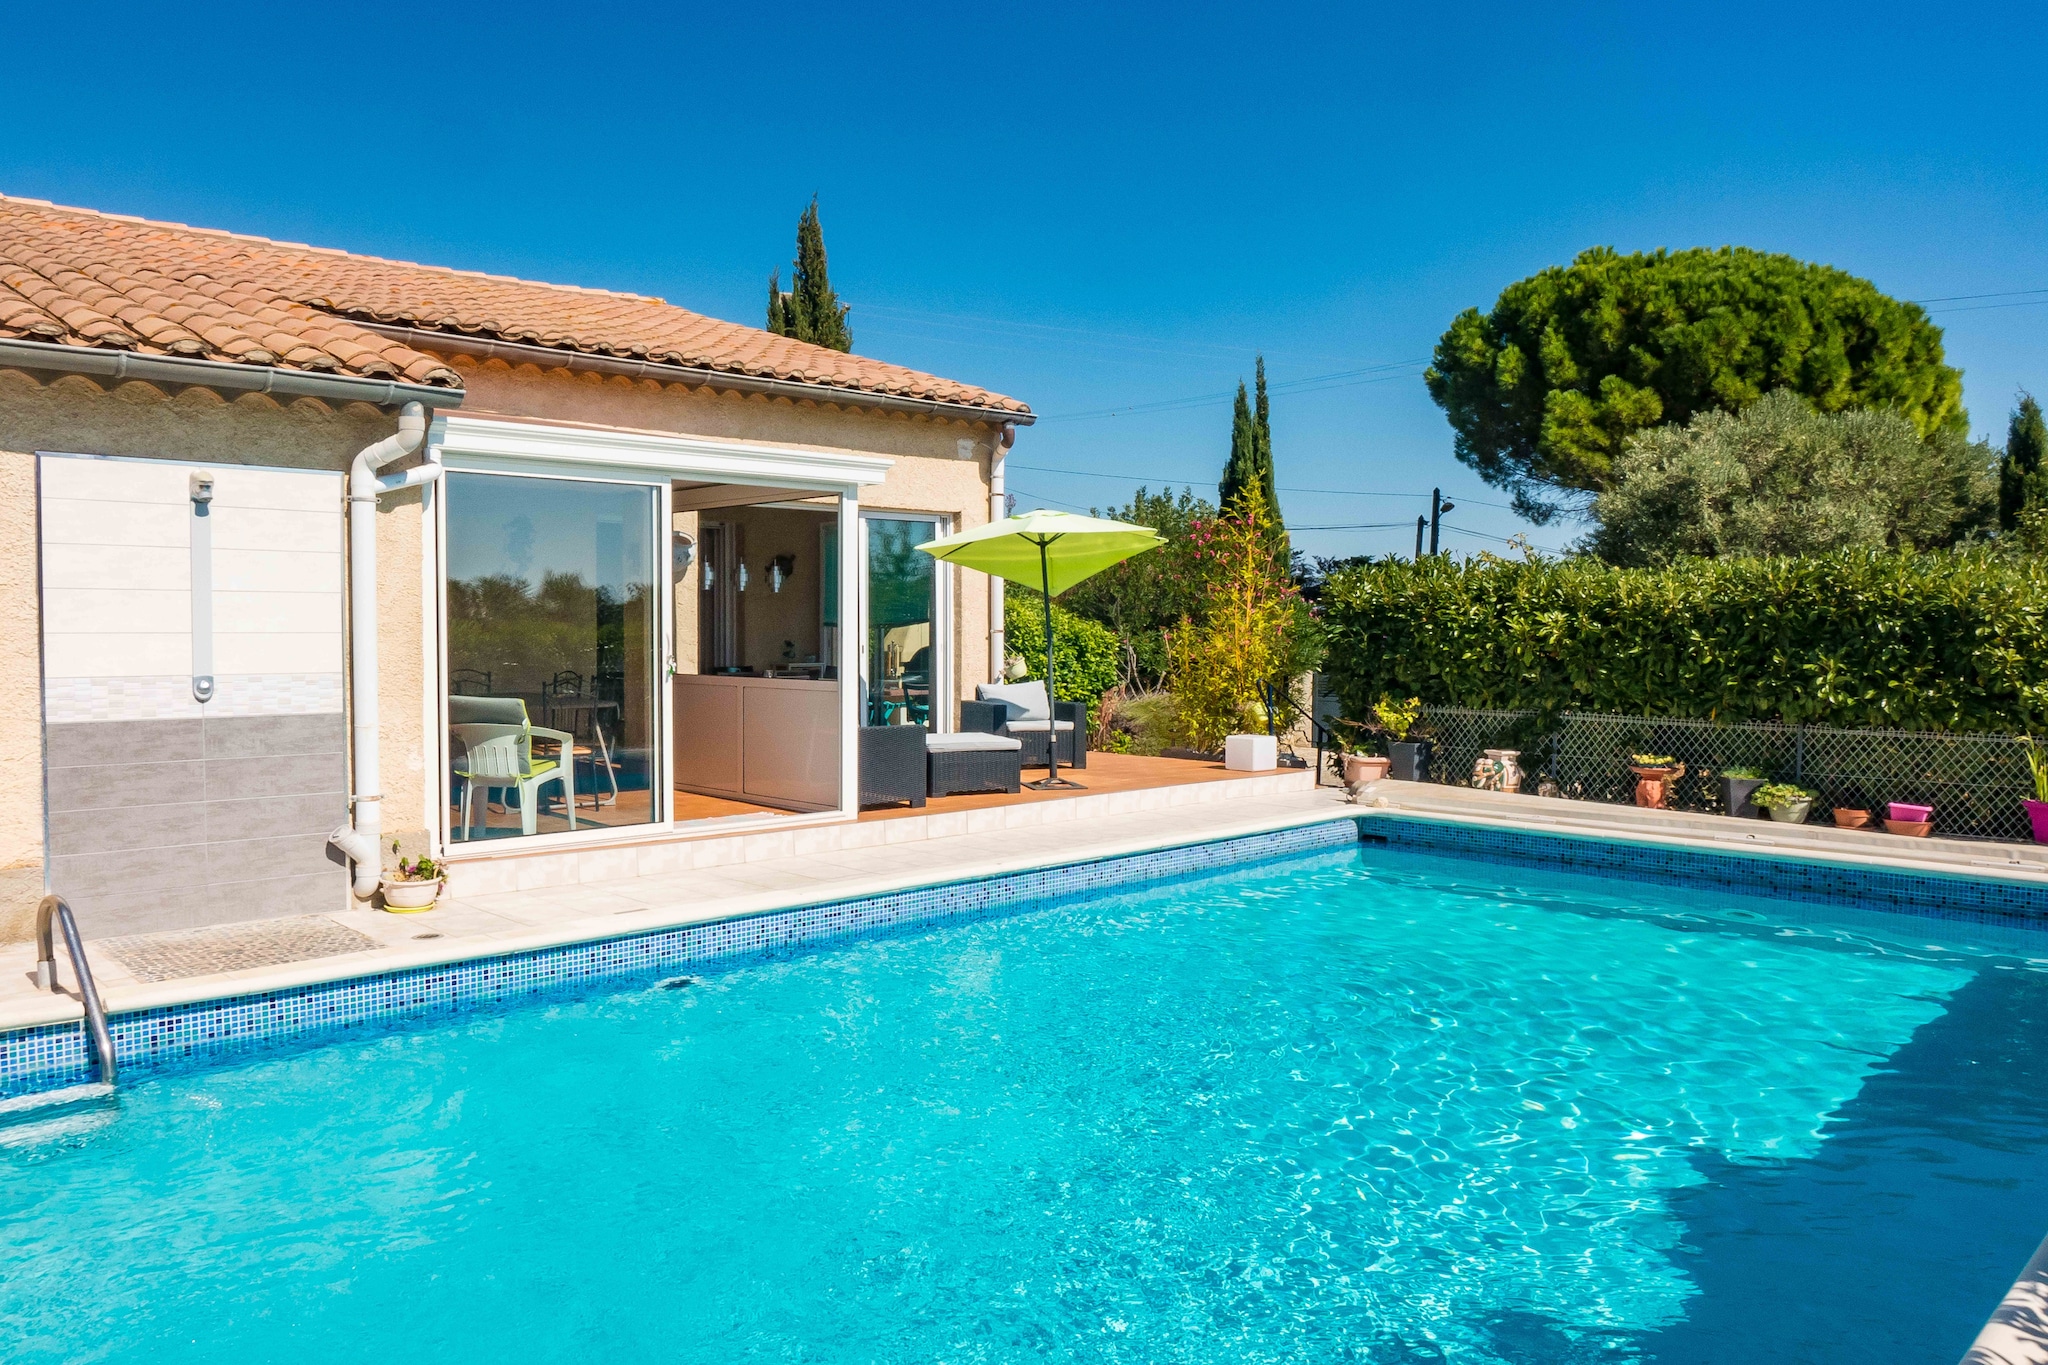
column 38, row 412
column 941, row 465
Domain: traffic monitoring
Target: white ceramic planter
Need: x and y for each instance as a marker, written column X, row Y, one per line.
column 410, row 898
column 1794, row 814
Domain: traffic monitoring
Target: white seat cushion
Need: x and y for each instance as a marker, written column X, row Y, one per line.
column 1026, row 700
column 1035, row 727
column 969, row 743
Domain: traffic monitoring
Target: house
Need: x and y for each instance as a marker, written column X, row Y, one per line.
column 303, row 552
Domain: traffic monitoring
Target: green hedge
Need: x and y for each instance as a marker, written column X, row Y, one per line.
column 1089, row 657
column 1858, row 638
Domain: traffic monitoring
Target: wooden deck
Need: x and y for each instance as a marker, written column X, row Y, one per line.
column 1104, row 773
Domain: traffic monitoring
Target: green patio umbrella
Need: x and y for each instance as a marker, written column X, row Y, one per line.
column 1059, row 549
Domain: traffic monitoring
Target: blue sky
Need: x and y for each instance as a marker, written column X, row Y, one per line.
column 1101, row 211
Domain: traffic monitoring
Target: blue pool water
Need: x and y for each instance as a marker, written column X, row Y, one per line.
column 1360, row 1105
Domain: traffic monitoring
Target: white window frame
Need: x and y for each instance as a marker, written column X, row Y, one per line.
column 944, row 703
column 478, row 445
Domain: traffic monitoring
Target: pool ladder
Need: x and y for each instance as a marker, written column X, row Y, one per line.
column 52, row 914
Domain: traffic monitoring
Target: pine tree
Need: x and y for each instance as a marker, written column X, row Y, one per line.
column 2023, row 472
column 810, row 311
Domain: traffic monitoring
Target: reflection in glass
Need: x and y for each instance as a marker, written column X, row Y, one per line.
column 551, row 655
column 902, row 619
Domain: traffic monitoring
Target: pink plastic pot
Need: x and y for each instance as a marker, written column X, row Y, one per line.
column 2037, row 811
column 1916, row 815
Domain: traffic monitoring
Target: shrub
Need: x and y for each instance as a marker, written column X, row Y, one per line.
column 1245, row 637
column 1088, row 655
column 1951, row 641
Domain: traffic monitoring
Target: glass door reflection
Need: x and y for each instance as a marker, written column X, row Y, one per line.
column 902, row 607
column 552, row 644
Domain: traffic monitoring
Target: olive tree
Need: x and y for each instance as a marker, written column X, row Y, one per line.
column 1544, row 390
column 1782, row 479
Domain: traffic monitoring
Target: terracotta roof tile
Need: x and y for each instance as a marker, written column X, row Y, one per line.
column 96, row 279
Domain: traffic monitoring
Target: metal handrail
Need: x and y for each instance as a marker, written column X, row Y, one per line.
column 56, row 912
column 1273, row 697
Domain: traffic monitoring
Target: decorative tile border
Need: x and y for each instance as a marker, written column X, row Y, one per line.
column 1954, row 896
column 54, row 1055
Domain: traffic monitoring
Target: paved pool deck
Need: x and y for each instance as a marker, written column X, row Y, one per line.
column 732, row 879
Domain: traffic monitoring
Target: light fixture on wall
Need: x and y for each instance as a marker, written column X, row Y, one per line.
column 682, row 549
column 742, row 580
column 779, row 570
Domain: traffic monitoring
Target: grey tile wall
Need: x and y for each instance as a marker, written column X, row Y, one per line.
column 173, row 824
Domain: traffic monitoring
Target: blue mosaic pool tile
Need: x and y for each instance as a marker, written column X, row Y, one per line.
column 1945, row 896
column 54, row 1055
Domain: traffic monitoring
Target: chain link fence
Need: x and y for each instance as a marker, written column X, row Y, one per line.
column 1974, row 782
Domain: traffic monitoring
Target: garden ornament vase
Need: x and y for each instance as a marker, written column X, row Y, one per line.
column 1497, row 771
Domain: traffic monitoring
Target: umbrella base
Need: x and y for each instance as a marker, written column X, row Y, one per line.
column 1047, row 784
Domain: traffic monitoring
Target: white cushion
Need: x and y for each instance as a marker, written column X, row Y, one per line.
column 1026, row 700
column 967, row 742
column 1035, row 727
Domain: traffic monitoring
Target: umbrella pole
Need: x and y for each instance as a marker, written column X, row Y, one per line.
column 1052, row 780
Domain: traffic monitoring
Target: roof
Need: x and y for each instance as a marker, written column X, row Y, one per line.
column 78, row 277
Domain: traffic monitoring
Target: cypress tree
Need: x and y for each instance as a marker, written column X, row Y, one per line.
column 778, row 316
column 1241, row 470
column 2022, row 480
column 1262, row 446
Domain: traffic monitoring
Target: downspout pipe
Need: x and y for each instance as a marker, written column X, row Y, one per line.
column 998, row 508
column 361, row 839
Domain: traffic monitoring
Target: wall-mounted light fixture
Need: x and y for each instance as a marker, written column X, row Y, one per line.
column 743, row 575
column 779, row 570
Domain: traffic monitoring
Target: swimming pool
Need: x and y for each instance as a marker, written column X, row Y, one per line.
column 1361, row 1104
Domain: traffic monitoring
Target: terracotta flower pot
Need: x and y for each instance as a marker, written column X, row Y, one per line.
column 1912, row 829
column 1360, row 769
column 1851, row 819
column 1653, row 785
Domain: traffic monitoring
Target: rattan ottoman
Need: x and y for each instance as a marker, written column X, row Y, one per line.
column 967, row 762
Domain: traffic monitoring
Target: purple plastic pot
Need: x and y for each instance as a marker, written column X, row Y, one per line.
column 1918, row 815
column 2037, row 811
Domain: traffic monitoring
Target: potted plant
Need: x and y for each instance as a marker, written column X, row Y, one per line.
column 1359, row 767
column 1915, row 822
column 1410, row 756
column 1654, row 775
column 415, row 886
column 2037, row 809
column 1738, row 785
column 1786, row 803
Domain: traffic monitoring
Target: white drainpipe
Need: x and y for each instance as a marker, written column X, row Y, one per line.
column 998, row 647
column 362, row 840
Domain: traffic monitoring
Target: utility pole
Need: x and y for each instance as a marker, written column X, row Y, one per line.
column 1420, row 522
column 1437, row 507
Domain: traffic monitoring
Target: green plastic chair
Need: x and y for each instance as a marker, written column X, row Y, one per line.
column 500, row 754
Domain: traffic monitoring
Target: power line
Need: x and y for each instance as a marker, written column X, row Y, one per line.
column 1340, row 379
column 1983, row 307
column 1282, row 488
column 1963, row 298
